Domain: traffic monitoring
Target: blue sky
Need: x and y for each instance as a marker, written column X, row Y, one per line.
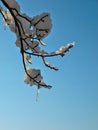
column 72, row 103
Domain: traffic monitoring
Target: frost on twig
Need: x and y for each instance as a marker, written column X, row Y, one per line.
column 30, row 32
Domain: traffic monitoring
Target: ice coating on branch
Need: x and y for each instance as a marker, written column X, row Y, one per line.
column 13, row 4
column 42, row 21
column 43, row 25
column 8, row 20
column 35, row 47
column 35, row 77
column 25, row 25
column 27, row 58
column 62, row 50
column 18, row 44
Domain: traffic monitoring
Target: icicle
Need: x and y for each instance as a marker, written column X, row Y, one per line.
column 37, row 95
column 42, row 43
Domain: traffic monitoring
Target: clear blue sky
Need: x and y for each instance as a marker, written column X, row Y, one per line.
column 72, row 104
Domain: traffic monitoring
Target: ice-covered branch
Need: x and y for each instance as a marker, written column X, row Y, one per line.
column 61, row 52
column 48, row 64
column 30, row 32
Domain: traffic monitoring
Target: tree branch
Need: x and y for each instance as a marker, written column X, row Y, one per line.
column 29, row 33
column 22, row 50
